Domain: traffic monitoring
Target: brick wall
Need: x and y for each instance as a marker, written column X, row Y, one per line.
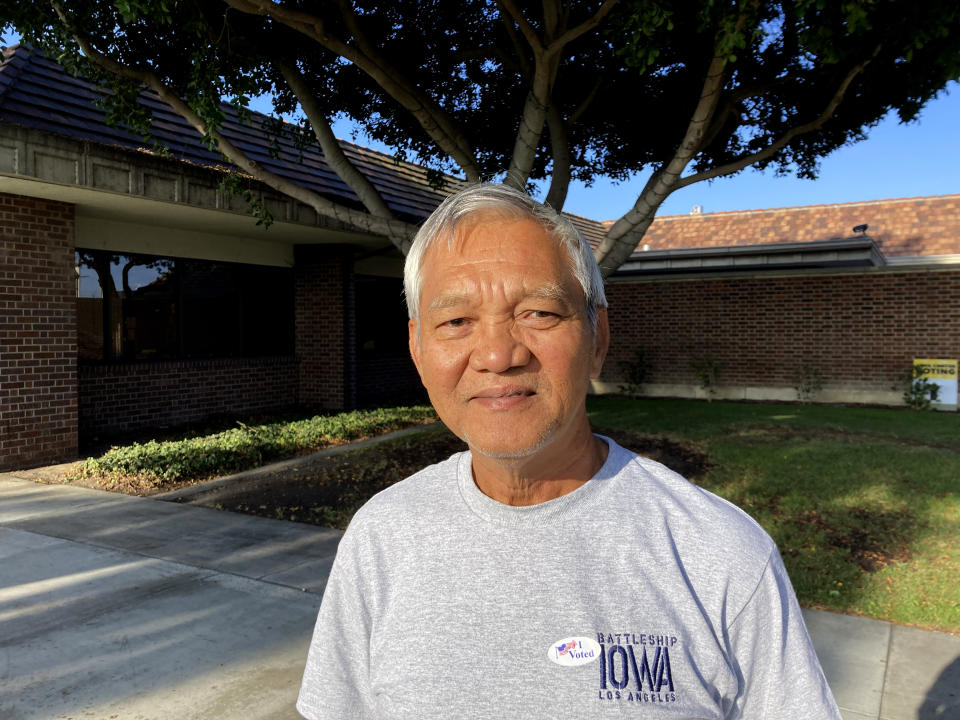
column 860, row 330
column 324, row 341
column 120, row 397
column 38, row 348
column 388, row 379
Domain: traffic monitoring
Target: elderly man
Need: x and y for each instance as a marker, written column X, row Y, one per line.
column 547, row 572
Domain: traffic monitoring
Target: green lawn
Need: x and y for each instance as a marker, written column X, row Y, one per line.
column 864, row 503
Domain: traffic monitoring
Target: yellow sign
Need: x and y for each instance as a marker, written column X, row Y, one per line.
column 937, row 369
column 943, row 374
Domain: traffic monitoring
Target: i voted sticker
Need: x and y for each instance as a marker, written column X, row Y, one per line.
column 574, row 651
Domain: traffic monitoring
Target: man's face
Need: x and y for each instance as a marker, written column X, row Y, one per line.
column 504, row 346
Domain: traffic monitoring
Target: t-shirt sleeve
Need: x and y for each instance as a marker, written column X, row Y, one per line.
column 336, row 680
column 778, row 671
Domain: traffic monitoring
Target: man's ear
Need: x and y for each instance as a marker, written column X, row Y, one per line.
column 413, row 339
column 601, row 343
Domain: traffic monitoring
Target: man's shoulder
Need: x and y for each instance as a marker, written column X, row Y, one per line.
column 425, row 489
column 690, row 512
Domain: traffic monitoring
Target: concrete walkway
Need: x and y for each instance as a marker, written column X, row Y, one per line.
column 120, row 607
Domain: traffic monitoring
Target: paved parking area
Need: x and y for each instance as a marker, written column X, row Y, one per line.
column 120, row 607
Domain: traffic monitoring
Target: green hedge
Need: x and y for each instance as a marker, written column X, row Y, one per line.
column 248, row 446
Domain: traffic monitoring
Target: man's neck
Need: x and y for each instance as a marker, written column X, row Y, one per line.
column 546, row 475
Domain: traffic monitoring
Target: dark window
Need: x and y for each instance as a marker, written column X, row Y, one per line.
column 147, row 291
column 211, row 309
column 267, row 321
column 90, row 310
column 142, row 307
column 381, row 316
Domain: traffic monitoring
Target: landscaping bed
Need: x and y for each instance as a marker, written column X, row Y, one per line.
column 156, row 466
column 329, row 490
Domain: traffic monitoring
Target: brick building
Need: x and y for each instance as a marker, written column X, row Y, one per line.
column 763, row 293
column 135, row 293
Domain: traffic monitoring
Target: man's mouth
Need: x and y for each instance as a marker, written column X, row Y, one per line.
column 503, row 393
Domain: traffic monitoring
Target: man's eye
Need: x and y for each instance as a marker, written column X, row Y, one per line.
column 455, row 323
column 540, row 318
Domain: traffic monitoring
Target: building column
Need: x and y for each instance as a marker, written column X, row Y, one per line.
column 38, row 333
column 324, row 326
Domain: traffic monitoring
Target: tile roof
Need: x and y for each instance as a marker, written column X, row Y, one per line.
column 905, row 227
column 592, row 230
column 36, row 92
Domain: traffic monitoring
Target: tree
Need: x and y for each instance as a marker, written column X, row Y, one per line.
column 524, row 91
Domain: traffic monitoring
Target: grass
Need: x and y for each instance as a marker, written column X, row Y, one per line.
column 863, row 502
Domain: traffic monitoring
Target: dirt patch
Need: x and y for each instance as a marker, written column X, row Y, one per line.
column 764, row 434
column 684, row 459
column 872, row 537
column 328, row 491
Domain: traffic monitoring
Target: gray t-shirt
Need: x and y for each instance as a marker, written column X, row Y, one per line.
column 636, row 594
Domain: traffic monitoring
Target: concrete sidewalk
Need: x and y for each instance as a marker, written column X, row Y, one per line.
column 121, row 607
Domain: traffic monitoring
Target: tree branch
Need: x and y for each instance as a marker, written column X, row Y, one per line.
column 784, row 139
column 526, row 28
column 400, row 233
column 535, row 106
column 434, row 121
column 551, row 17
column 560, row 145
column 546, row 65
column 731, row 104
column 332, row 152
column 616, row 246
column 528, row 138
column 584, row 27
column 310, row 25
column 518, row 48
column 621, row 239
column 585, row 103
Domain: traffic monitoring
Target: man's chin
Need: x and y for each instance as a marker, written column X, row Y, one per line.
column 509, row 448
column 504, row 453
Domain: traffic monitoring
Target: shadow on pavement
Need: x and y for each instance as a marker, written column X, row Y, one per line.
column 123, row 607
column 942, row 701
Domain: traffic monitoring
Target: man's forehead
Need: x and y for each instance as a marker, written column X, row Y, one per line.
column 493, row 238
column 493, row 226
column 456, row 297
column 516, row 254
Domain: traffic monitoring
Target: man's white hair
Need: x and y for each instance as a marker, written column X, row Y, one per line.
column 504, row 203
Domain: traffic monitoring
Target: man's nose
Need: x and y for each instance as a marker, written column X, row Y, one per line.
column 498, row 349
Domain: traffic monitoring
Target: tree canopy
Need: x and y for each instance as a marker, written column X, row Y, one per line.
column 524, row 91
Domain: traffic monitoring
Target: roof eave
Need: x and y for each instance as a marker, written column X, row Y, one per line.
column 838, row 253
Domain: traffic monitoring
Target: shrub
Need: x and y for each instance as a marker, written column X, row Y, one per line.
column 707, row 371
column 635, row 371
column 921, row 392
column 247, row 446
column 808, row 382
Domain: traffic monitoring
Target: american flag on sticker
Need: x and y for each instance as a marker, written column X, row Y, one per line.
column 566, row 647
